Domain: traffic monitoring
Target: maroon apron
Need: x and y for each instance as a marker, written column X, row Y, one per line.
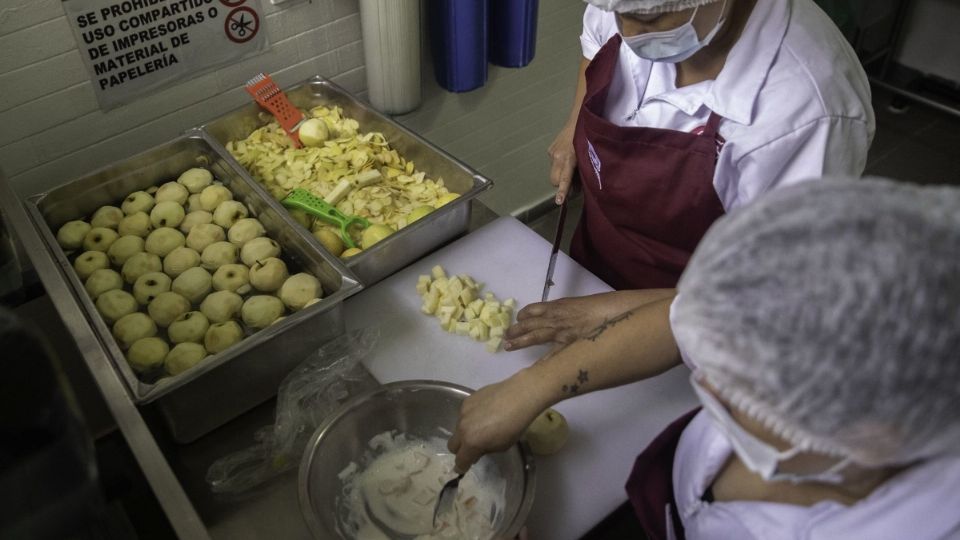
column 650, row 486
column 648, row 195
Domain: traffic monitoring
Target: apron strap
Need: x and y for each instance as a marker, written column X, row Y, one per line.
column 713, row 126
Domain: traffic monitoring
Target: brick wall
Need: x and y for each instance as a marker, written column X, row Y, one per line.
column 52, row 130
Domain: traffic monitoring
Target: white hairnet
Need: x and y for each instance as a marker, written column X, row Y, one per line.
column 644, row 7
column 830, row 312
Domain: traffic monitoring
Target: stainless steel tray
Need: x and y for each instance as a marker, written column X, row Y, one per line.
column 227, row 384
column 410, row 243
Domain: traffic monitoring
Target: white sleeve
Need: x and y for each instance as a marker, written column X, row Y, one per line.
column 823, row 147
column 598, row 27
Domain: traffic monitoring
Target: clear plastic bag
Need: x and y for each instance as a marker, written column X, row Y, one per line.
column 307, row 396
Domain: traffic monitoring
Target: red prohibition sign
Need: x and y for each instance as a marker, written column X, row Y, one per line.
column 241, row 25
column 232, row 3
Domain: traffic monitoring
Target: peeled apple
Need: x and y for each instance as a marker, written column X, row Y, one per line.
column 167, row 214
column 147, row 353
column 166, row 307
column 268, row 275
column 136, row 224
column 212, row 196
column 163, row 240
column 124, row 248
column 107, row 216
column 138, row 201
column 132, row 327
column 351, row 252
column 547, row 433
column 193, row 284
column 183, row 357
column 140, row 264
column 197, row 217
column 229, row 212
column 446, row 198
column 172, row 191
column 261, row 310
column 101, row 281
column 419, row 212
column 89, row 262
column 149, row 286
column 195, row 180
column 190, row 326
column 373, row 234
column 99, row 239
column 313, row 132
column 221, row 336
column 330, row 241
column 72, row 233
column 299, row 289
column 116, row 303
column 221, row 306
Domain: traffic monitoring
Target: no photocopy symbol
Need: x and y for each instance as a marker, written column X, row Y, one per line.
column 241, row 24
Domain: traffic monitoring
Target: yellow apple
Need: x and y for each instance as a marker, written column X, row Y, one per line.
column 547, row 433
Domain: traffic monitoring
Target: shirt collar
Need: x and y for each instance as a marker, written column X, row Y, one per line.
column 734, row 93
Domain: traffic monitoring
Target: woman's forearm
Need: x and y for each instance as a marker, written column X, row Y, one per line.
column 633, row 346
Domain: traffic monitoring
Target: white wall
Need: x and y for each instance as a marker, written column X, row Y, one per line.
column 51, row 129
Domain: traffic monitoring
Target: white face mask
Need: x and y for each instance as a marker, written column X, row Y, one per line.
column 756, row 455
column 671, row 46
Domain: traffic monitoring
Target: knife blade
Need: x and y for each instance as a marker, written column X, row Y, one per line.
column 554, row 251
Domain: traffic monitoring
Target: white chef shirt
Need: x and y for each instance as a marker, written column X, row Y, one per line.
column 794, row 99
column 920, row 502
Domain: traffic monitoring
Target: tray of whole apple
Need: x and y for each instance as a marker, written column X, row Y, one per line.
column 414, row 195
column 189, row 269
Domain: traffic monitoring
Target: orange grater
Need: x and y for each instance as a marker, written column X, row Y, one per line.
column 272, row 98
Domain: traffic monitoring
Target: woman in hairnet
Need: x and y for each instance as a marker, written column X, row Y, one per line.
column 685, row 110
column 819, row 325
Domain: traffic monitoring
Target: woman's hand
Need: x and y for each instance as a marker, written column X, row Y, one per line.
column 566, row 320
column 493, row 418
column 563, row 160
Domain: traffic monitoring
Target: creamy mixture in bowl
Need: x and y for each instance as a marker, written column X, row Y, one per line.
column 399, row 479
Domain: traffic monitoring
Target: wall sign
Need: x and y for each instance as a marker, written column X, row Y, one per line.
column 132, row 47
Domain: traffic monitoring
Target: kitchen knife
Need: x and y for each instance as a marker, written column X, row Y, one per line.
column 553, row 252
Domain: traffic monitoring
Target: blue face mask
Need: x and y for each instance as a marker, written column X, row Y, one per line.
column 671, row 46
column 756, row 455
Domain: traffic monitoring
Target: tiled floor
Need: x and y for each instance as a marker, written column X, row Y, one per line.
column 919, row 145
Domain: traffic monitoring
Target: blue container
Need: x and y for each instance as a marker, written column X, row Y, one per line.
column 513, row 32
column 458, row 40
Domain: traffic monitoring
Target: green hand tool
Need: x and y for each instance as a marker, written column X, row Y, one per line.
column 302, row 199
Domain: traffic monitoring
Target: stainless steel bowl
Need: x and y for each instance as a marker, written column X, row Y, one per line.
column 421, row 409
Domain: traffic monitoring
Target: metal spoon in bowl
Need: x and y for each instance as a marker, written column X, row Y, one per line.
column 384, row 528
column 448, row 494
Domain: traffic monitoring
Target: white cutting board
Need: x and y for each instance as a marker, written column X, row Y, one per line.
column 580, row 485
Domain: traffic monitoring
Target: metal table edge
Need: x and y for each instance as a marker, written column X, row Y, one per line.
column 173, row 500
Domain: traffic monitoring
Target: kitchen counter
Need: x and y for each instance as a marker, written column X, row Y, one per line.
column 576, row 488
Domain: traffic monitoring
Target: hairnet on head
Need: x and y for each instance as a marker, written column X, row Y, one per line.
column 646, row 7
column 829, row 312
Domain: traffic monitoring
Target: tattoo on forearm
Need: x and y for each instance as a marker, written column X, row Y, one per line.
column 607, row 324
column 582, row 378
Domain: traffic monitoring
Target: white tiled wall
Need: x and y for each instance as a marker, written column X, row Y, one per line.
column 52, row 130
